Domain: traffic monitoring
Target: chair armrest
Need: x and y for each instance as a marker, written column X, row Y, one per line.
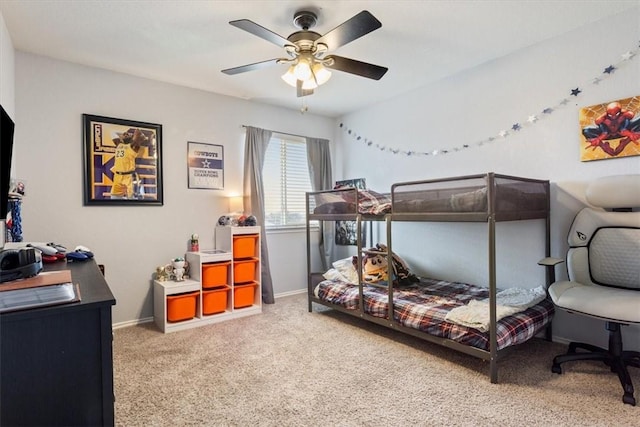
column 550, row 261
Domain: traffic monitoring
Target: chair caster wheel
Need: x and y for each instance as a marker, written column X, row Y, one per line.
column 629, row 399
column 556, row 369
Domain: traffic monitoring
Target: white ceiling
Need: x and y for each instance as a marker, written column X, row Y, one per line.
column 188, row 42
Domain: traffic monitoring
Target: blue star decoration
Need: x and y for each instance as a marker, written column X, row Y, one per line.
column 575, row 91
column 609, row 70
column 547, row 110
column 516, row 127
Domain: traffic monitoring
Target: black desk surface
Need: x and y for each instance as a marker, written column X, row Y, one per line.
column 92, row 284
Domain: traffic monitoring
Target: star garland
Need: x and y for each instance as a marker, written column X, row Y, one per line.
column 504, row 133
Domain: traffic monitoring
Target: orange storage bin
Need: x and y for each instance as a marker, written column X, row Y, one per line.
column 244, row 295
column 244, row 271
column 182, row 306
column 215, row 274
column 215, row 300
column 244, row 246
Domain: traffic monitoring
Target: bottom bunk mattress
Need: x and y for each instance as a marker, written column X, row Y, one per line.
column 425, row 305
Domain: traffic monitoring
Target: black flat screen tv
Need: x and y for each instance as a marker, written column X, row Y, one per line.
column 6, row 150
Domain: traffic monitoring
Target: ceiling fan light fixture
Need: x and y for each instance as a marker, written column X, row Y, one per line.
column 321, row 73
column 309, row 84
column 302, row 70
column 289, row 77
column 308, row 63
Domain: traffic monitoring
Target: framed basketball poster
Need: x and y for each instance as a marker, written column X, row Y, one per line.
column 122, row 161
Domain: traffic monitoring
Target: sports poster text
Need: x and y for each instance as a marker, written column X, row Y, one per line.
column 206, row 166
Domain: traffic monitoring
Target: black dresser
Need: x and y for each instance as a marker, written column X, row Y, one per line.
column 56, row 363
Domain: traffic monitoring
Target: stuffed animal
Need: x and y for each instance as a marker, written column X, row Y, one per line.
column 374, row 267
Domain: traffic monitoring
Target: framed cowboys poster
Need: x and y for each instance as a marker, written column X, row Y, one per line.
column 206, row 166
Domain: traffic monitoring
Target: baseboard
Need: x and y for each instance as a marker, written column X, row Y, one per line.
column 134, row 322
column 560, row 340
column 288, row 294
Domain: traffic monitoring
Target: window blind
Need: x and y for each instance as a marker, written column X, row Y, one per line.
column 285, row 177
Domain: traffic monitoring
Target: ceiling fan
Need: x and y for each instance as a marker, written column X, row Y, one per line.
column 307, row 50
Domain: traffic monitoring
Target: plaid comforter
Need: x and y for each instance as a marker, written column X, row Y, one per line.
column 424, row 305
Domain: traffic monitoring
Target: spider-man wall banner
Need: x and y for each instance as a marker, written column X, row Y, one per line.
column 610, row 130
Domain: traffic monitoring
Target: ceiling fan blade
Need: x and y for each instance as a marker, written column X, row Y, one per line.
column 250, row 67
column 260, row 31
column 361, row 24
column 302, row 92
column 359, row 68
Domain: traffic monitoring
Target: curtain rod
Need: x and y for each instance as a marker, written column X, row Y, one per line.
column 284, row 133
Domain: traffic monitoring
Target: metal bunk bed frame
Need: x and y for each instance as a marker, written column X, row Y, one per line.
column 490, row 217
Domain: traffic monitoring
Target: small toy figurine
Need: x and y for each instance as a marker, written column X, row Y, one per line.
column 178, row 265
column 195, row 245
column 161, row 275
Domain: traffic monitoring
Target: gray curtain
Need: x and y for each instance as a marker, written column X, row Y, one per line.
column 319, row 159
column 256, row 143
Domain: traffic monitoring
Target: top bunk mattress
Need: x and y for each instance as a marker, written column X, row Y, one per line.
column 348, row 201
column 506, row 196
column 472, row 196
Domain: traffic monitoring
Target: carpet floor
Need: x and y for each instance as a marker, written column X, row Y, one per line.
column 289, row 367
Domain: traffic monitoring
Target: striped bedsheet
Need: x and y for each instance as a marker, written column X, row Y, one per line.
column 424, row 305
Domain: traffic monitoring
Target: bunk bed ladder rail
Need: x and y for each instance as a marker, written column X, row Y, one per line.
column 390, row 312
column 391, row 322
column 309, row 275
column 359, row 263
column 491, row 259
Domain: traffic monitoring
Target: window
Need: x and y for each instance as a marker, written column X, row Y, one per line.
column 286, row 180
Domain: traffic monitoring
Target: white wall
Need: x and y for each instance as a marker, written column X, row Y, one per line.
column 131, row 241
column 477, row 104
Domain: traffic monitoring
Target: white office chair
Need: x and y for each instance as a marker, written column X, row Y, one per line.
column 603, row 263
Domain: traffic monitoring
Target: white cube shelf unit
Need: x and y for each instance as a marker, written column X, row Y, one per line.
column 225, row 281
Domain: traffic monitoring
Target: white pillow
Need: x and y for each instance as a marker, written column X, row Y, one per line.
column 347, row 270
column 333, row 274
